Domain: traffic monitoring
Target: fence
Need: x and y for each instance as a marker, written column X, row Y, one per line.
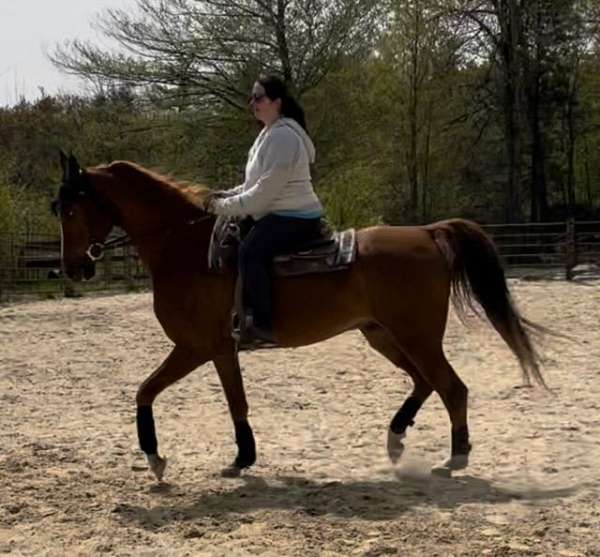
column 30, row 264
column 30, row 268
column 559, row 246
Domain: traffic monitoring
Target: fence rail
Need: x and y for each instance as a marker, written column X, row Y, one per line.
column 30, row 268
column 30, row 264
column 562, row 246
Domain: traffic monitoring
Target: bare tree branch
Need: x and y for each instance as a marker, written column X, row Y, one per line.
column 210, row 45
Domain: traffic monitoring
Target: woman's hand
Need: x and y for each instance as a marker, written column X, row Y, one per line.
column 212, row 199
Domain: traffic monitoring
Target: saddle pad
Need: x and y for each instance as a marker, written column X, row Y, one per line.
column 338, row 255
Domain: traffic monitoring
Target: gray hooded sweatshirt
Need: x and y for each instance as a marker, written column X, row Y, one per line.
column 277, row 176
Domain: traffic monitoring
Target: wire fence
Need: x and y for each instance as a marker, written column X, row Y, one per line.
column 30, row 263
column 563, row 247
column 30, row 267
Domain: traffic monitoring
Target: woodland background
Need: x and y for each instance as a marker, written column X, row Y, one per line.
column 420, row 109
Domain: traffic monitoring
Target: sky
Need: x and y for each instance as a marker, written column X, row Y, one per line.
column 31, row 28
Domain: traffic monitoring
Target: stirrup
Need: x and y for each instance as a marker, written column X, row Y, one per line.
column 236, row 331
column 260, row 334
column 249, row 335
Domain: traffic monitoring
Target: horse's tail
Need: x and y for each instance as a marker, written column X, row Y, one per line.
column 477, row 275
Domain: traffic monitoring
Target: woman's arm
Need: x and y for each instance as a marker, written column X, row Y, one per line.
column 236, row 190
column 279, row 153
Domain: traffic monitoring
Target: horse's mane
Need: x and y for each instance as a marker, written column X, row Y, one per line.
column 187, row 192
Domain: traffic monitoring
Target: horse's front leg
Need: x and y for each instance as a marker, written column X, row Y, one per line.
column 228, row 368
column 178, row 364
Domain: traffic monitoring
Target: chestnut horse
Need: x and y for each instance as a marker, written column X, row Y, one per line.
column 396, row 293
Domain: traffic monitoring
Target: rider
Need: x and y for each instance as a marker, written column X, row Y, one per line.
column 277, row 196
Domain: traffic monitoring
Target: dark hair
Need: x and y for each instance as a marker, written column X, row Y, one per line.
column 275, row 88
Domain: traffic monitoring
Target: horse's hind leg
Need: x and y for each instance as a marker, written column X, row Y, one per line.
column 437, row 371
column 178, row 364
column 382, row 341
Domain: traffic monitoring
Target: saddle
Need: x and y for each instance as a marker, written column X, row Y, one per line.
column 332, row 251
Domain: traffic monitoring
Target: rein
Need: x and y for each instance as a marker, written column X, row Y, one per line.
column 96, row 250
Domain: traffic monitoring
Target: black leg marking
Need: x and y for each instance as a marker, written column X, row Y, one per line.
column 246, row 445
column 460, row 441
column 404, row 416
column 146, row 431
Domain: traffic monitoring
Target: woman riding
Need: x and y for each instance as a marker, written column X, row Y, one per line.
column 277, row 196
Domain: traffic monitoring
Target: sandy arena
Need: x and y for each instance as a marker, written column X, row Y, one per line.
column 73, row 481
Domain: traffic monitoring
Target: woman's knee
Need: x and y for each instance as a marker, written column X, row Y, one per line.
column 255, row 248
column 248, row 253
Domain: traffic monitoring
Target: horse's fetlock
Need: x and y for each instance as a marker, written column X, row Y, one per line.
column 460, row 441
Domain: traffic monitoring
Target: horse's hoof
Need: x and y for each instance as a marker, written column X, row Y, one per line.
column 395, row 446
column 441, row 471
column 455, row 462
column 157, row 465
column 232, row 471
column 245, row 461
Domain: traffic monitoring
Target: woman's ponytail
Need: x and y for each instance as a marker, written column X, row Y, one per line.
column 290, row 108
column 275, row 89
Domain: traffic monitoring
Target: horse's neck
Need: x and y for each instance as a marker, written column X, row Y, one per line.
column 151, row 218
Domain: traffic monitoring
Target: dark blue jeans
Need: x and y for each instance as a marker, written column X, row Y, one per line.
column 270, row 236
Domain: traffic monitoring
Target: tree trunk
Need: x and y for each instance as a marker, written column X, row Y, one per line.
column 533, row 69
column 588, row 182
column 571, row 201
column 509, row 17
column 539, row 199
column 282, row 44
column 426, row 161
column 413, row 107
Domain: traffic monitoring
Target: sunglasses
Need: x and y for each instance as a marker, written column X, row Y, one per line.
column 254, row 98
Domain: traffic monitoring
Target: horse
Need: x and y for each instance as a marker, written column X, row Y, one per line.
column 397, row 293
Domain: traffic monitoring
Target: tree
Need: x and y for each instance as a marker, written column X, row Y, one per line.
column 196, row 51
column 535, row 46
column 420, row 51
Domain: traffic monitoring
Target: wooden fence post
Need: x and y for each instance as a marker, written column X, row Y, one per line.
column 570, row 249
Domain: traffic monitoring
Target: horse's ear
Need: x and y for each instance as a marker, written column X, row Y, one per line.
column 64, row 164
column 73, row 167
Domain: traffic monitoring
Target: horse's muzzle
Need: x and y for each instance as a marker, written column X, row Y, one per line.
column 85, row 271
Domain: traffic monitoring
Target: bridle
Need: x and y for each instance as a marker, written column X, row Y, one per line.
column 96, row 249
column 68, row 194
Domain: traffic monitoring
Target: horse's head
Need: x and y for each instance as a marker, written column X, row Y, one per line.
column 85, row 222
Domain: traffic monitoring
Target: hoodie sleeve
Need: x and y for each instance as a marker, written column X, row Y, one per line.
column 236, row 190
column 278, row 155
